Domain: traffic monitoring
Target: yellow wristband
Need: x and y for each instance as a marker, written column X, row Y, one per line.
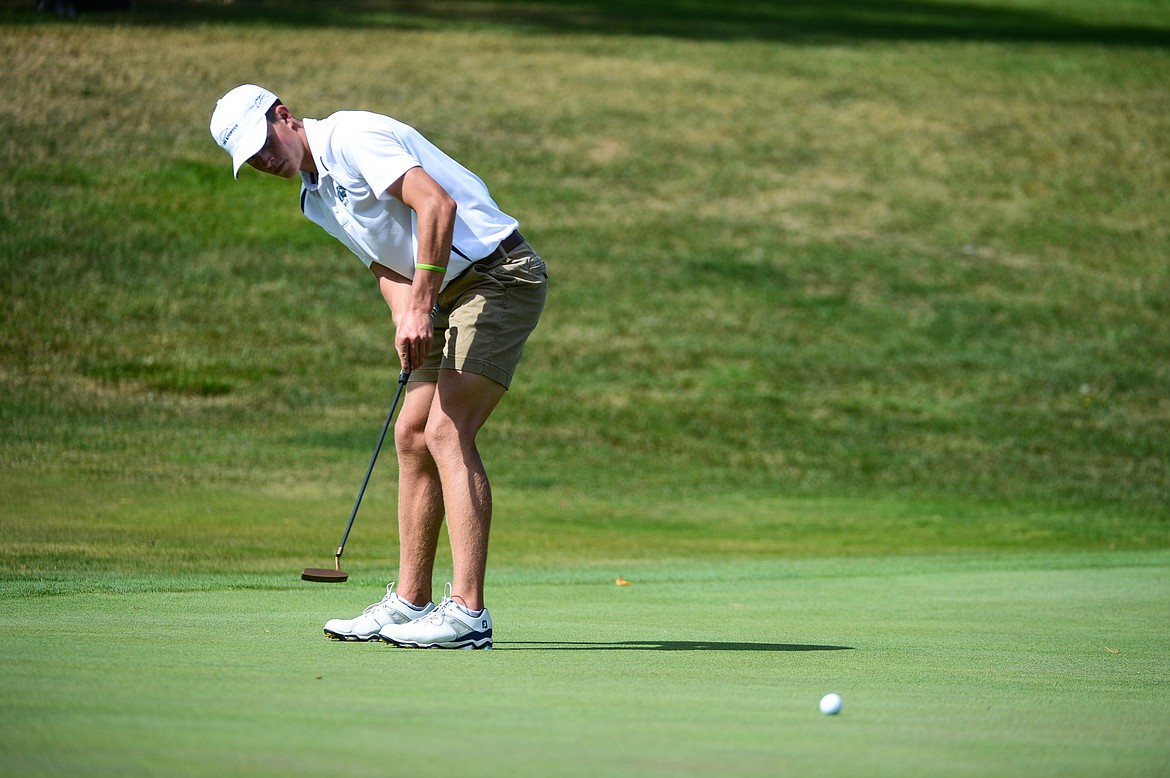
column 436, row 268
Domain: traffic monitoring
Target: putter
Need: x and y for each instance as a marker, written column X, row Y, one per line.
column 337, row 575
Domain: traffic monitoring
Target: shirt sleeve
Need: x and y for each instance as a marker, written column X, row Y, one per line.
column 378, row 155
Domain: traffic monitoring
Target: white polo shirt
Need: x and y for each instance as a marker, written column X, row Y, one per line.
column 359, row 155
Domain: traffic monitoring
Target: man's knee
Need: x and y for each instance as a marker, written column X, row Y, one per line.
column 410, row 438
column 443, row 437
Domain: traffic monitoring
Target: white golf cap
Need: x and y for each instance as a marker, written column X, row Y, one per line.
column 238, row 124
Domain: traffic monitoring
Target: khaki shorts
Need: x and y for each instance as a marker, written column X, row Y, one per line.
column 486, row 315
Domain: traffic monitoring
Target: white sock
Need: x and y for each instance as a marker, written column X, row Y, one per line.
column 411, row 605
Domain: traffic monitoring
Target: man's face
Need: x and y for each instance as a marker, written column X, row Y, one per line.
column 282, row 153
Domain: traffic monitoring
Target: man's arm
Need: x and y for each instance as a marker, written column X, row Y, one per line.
column 395, row 289
column 435, row 210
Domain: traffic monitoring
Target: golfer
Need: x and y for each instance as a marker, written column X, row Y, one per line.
column 465, row 290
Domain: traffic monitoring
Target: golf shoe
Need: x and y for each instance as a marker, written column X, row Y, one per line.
column 391, row 609
column 447, row 626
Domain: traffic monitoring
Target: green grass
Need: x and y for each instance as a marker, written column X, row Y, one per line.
column 856, row 338
column 969, row 665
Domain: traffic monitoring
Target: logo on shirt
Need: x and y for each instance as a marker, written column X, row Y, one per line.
column 343, row 195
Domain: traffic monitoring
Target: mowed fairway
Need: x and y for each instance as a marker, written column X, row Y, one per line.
column 1047, row 665
column 854, row 367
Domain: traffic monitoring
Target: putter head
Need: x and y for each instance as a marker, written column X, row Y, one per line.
column 324, row 575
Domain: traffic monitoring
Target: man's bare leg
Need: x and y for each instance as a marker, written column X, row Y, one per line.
column 420, row 496
column 460, row 407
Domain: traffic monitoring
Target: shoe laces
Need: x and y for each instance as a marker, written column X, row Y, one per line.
column 436, row 616
column 382, row 603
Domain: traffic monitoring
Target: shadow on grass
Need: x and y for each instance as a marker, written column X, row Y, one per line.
column 792, row 21
column 660, row 645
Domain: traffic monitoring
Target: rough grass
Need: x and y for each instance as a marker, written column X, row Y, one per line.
column 874, row 267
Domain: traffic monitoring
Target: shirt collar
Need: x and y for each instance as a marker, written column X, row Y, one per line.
column 318, row 135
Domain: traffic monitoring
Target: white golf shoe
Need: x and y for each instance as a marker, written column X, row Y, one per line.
column 391, row 609
column 448, row 626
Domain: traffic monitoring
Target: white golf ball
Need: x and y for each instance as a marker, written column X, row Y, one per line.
column 831, row 704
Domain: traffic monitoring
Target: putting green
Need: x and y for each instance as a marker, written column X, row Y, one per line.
column 1036, row 665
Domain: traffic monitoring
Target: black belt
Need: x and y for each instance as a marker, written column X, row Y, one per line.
column 508, row 244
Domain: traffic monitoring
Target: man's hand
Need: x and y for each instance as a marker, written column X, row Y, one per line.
column 413, row 333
